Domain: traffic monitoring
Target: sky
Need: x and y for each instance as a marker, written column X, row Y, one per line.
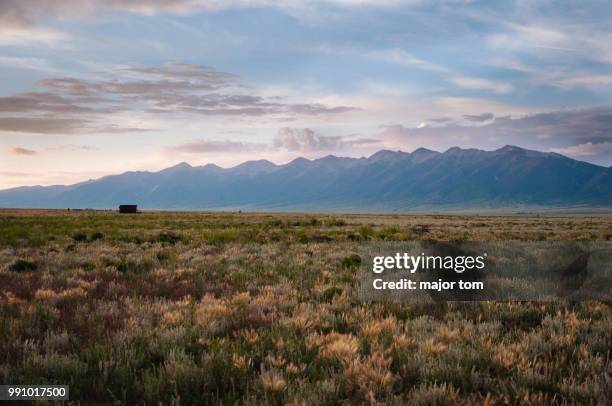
column 92, row 87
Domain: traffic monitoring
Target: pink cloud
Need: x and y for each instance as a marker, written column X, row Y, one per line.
column 21, row 151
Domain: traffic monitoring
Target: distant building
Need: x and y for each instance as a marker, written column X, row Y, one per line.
column 128, row 208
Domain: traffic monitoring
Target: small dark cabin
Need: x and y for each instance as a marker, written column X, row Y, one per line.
column 128, row 208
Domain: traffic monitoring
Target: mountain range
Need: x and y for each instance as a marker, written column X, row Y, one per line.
column 390, row 181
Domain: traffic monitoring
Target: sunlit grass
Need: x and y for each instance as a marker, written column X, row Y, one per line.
column 196, row 308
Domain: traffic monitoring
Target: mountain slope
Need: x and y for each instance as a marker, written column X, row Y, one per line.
column 386, row 181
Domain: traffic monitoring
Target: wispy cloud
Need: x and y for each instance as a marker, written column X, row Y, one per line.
column 304, row 140
column 13, row 174
column 588, row 149
column 573, row 40
column 19, row 36
column 71, row 147
column 589, row 80
column 21, row 21
column 479, row 118
column 25, row 63
column 307, row 140
column 473, row 83
column 577, row 133
column 25, row 12
column 89, row 105
column 403, row 58
column 52, row 125
column 203, row 146
column 20, row 151
column 42, row 125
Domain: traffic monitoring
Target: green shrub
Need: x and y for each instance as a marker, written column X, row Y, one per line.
column 168, row 238
column 329, row 293
column 366, row 232
column 163, row 256
column 22, row 265
column 352, row 261
column 88, row 266
column 79, row 237
column 96, row 236
column 334, row 222
column 124, row 265
column 388, row 233
column 276, row 223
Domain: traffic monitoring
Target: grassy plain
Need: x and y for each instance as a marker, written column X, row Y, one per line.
column 209, row 308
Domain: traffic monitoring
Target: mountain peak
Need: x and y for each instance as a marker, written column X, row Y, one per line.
column 422, row 154
column 178, row 167
column 422, row 150
column 259, row 163
column 510, row 148
column 255, row 166
column 453, row 150
column 211, row 167
column 386, row 155
column 298, row 161
column 518, row 151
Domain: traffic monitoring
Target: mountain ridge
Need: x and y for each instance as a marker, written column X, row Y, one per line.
column 385, row 181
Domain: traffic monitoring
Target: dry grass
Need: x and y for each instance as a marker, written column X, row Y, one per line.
column 192, row 308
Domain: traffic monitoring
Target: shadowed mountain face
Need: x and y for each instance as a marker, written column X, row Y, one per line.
column 386, row 181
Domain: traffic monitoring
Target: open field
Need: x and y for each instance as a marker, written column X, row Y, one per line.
column 192, row 308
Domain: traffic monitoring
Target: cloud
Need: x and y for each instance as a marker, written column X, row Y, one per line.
column 555, row 39
column 403, row 58
column 588, row 149
column 546, row 46
column 586, row 80
column 577, row 133
column 177, row 70
column 172, row 78
column 209, row 146
column 19, row 36
column 25, row 63
column 480, row 118
column 45, row 125
column 52, row 125
column 303, row 140
column 175, row 88
column 592, row 124
column 27, row 12
column 42, row 102
column 12, row 174
column 394, row 56
column 307, row 140
column 440, row 120
column 190, row 88
column 71, row 147
column 482, row 84
column 21, row 151
column 21, row 21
